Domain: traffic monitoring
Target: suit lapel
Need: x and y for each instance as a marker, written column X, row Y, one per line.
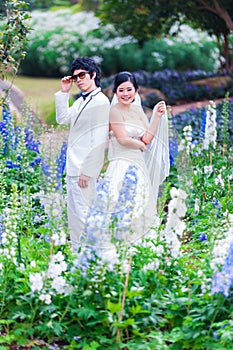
column 85, row 104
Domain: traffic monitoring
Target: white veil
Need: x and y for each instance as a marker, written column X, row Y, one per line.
column 157, row 153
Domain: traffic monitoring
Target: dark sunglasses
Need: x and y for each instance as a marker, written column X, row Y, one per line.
column 81, row 75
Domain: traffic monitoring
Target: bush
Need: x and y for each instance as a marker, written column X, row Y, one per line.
column 54, row 44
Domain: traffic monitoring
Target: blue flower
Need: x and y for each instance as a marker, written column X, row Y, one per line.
column 217, row 205
column 84, row 259
column 173, row 149
column 223, row 281
column 126, row 202
column 96, row 223
column 31, row 144
column 36, row 161
column 46, row 168
column 203, row 126
column 61, row 163
column 203, row 237
column 11, row 165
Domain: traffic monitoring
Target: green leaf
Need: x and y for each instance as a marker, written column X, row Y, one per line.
column 125, row 323
column 113, row 307
column 138, row 310
column 92, row 346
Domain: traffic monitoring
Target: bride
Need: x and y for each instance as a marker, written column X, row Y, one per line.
column 138, row 154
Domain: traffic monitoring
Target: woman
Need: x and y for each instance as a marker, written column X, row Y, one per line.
column 138, row 163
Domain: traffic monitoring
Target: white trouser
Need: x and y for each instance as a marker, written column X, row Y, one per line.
column 79, row 201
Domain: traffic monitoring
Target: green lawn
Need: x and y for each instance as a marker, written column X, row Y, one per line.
column 39, row 95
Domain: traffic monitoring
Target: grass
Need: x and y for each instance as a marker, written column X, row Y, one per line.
column 39, row 95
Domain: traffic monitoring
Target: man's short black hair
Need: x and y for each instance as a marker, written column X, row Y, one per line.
column 89, row 65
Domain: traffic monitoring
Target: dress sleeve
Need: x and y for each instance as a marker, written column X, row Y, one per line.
column 157, row 154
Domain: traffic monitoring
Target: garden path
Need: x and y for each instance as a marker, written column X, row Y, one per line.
column 176, row 109
column 16, row 99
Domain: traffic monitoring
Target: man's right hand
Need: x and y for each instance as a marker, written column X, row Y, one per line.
column 83, row 181
column 66, row 83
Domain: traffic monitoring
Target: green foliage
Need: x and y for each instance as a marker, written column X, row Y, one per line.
column 13, row 36
column 168, row 301
column 142, row 20
column 53, row 45
column 151, row 19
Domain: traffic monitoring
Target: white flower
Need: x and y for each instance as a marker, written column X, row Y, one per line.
column 55, row 269
column 197, row 204
column 33, row 263
column 221, row 249
column 230, row 217
column 59, row 284
column 46, row 298
column 36, row 282
column 59, row 256
column 208, row 169
column 219, row 180
column 175, row 227
column 211, row 127
column 154, row 265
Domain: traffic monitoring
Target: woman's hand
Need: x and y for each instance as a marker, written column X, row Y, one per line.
column 161, row 109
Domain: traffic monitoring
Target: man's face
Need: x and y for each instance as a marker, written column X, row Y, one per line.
column 83, row 80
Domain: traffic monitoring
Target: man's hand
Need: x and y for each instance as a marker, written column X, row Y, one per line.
column 66, row 84
column 83, row 181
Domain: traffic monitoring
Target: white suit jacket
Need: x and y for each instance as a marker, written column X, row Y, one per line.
column 89, row 126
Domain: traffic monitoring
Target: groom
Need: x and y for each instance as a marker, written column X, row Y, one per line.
column 88, row 118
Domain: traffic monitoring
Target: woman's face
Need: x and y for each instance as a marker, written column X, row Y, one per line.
column 126, row 93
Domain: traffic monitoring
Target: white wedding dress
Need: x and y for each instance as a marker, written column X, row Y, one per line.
column 125, row 206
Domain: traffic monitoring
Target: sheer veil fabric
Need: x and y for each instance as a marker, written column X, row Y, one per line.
column 157, row 153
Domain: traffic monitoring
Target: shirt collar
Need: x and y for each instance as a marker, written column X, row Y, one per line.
column 85, row 94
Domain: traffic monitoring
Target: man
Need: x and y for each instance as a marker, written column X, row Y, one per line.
column 88, row 118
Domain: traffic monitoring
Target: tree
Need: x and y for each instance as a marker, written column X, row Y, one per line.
column 142, row 19
column 145, row 19
column 215, row 17
column 220, row 8
column 13, row 37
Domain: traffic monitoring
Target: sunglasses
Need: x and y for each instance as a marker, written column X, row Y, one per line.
column 81, row 75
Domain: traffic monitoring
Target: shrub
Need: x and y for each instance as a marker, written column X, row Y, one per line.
column 53, row 45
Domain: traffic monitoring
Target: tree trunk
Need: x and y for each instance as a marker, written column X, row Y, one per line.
column 219, row 11
column 226, row 52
